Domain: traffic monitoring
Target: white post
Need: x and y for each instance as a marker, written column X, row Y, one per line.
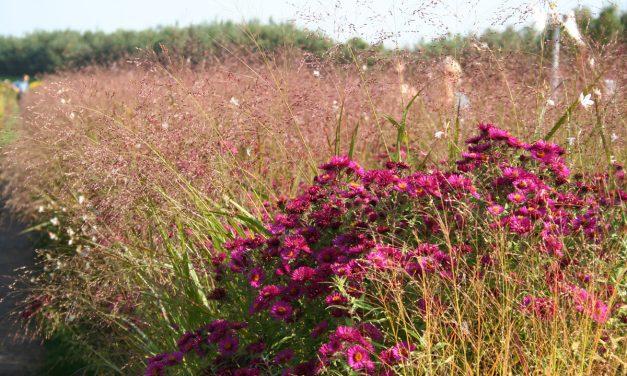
column 555, row 72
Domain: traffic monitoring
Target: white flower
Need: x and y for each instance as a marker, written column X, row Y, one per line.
column 597, row 92
column 54, row 221
column 40, row 209
column 550, row 102
column 316, row 73
column 63, row 101
column 586, row 100
column 335, row 106
column 72, row 115
column 612, row 159
column 53, row 236
column 614, row 137
column 439, row 134
column 571, row 141
column 81, row 199
column 165, row 125
column 364, row 67
column 234, row 101
column 138, row 145
column 70, row 231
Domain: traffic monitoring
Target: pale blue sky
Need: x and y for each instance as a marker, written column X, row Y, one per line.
column 396, row 21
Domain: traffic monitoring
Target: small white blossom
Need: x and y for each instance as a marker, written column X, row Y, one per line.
column 316, row 73
column 138, row 145
column 72, row 115
column 550, row 102
column 596, row 92
column 54, row 221
column 81, row 199
column 165, row 125
column 70, row 231
column 585, row 100
column 53, row 236
column 364, row 67
column 612, row 159
column 40, row 209
column 63, row 101
column 234, row 101
column 614, row 137
column 571, row 141
column 439, row 134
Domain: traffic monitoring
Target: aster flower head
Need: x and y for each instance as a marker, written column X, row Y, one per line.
column 516, row 197
column 228, row 345
column 256, row 277
column 284, row 356
column 495, row 209
column 281, row 310
column 347, row 334
column 359, row 358
column 402, row 350
column 335, row 298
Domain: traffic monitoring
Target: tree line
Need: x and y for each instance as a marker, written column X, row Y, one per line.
column 49, row 51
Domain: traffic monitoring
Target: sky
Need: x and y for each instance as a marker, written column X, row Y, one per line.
column 395, row 22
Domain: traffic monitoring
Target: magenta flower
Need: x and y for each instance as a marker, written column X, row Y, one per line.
column 495, row 209
column 401, row 350
column 320, row 328
column 281, row 310
column 284, row 356
column 256, row 277
column 347, row 334
column 256, row 347
column 589, row 304
column 228, row 345
column 516, row 197
column 359, row 358
column 335, row 298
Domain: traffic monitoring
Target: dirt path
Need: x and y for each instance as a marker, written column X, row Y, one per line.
column 17, row 357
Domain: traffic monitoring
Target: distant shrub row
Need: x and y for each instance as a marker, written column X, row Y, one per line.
column 43, row 52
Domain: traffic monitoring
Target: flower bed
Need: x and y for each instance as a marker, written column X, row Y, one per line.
column 392, row 271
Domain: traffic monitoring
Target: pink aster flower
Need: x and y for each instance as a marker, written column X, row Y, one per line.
column 495, row 209
column 401, row 350
column 284, row 356
column 256, row 277
column 320, row 328
column 281, row 310
column 516, row 197
column 335, row 298
column 228, row 345
column 359, row 358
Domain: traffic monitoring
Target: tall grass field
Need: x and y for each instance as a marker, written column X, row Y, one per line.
column 280, row 212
